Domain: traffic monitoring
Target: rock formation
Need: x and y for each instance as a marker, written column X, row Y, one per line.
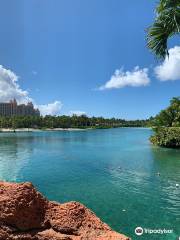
column 26, row 215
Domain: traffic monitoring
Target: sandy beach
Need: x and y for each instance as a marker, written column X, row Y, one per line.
column 7, row 130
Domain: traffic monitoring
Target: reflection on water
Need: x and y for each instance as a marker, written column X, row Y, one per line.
column 108, row 170
column 167, row 163
column 14, row 154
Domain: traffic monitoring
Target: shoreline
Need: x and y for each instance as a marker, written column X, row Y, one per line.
column 17, row 130
column 10, row 130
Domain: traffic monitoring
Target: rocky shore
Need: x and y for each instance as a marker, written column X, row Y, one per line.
column 26, row 215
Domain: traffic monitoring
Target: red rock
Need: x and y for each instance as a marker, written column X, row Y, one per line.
column 26, row 215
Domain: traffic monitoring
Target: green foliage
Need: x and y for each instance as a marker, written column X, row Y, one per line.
column 166, row 126
column 169, row 117
column 166, row 24
column 166, row 137
column 66, row 122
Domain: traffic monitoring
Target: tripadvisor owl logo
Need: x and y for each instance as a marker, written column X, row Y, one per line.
column 139, row 231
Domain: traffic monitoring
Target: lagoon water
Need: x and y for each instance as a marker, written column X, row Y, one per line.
column 111, row 171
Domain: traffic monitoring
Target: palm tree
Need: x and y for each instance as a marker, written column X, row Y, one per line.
column 166, row 25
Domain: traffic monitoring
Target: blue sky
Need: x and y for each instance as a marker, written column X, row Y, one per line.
column 64, row 51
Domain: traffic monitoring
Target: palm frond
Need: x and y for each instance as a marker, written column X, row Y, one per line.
column 166, row 24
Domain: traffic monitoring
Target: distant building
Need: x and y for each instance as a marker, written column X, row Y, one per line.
column 13, row 109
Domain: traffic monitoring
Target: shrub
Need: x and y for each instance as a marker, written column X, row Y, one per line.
column 166, row 137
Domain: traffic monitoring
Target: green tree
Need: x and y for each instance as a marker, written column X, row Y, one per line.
column 166, row 25
column 170, row 116
column 167, row 126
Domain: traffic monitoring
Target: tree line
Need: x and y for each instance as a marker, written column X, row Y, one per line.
column 64, row 121
column 169, row 117
column 166, row 126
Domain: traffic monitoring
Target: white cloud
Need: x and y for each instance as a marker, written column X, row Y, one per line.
column 9, row 89
column 77, row 113
column 50, row 108
column 135, row 78
column 169, row 70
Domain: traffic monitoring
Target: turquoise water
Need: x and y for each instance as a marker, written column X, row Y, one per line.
column 108, row 170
